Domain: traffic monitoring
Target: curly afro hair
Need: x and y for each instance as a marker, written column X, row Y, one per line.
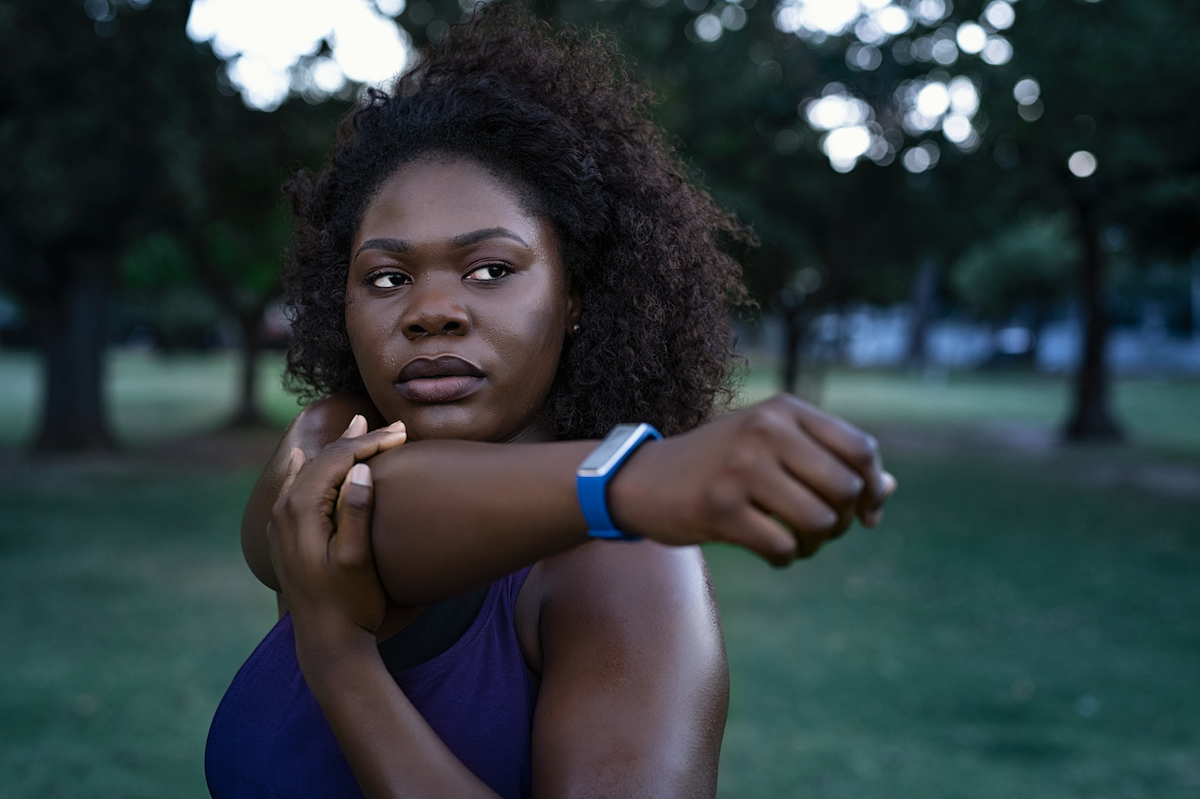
column 553, row 110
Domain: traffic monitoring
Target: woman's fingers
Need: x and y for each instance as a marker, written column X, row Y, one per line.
column 856, row 449
column 352, row 541
column 871, row 517
column 362, row 445
column 358, row 426
column 824, row 473
column 809, row 517
column 330, row 466
column 311, row 486
column 320, row 532
column 759, row 533
column 296, row 462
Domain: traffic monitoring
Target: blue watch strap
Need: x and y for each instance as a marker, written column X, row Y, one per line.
column 597, row 470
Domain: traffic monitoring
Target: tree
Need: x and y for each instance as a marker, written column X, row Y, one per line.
column 76, row 150
column 237, row 227
column 116, row 132
column 1082, row 108
column 1022, row 270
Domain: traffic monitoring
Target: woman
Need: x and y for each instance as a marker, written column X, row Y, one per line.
column 501, row 261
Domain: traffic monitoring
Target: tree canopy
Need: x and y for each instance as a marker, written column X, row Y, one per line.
column 1015, row 140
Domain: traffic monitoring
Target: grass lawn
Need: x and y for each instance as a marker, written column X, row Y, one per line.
column 151, row 397
column 1025, row 623
column 1006, row 632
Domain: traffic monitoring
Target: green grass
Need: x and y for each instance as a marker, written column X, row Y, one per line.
column 1025, row 622
column 1158, row 413
column 154, row 397
column 1007, row 632
column 151, row 397
column 126, row 612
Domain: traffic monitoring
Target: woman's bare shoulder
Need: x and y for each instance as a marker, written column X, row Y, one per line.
column 634, row 681
column 639, row 588
column 325, row 419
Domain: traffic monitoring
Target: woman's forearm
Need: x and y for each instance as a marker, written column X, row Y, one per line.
column 453, row 515
column 391, row 749
column 778, row 478
column 449, row 515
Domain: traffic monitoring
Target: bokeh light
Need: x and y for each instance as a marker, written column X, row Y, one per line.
column 1082, row 164
column 936, row 102
column 708, row 27
column 999, row 15
column 863, row 57
column 845, row 146
column 1027, row 91
column 997, row 51
column 836, row 109
column 922, row 157
column 964, row 96
column 873, row 22
column 270, row 44
column 850, row 130
column 971, row 38
column 933, row 99
column 930, row 12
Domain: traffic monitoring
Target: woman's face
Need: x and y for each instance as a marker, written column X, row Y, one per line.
column 457, row 305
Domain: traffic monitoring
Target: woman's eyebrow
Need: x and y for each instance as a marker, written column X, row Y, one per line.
column 467, row 239
column 464, row 240
column 390, row 245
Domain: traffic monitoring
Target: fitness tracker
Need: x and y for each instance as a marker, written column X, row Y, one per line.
column 598, row 468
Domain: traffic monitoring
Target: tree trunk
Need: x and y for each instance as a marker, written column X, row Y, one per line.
column 924, row 295
column 247, row 413
column 1196, row 295
column 1091, row 417
column 73, row 334
column 793, row 333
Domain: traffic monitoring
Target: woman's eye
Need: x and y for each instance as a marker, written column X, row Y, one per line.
column 489, row 272
column 390, row 280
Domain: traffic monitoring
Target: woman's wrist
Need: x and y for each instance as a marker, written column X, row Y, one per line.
column 327, row 646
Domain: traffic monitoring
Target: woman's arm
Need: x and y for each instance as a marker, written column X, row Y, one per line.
column 329, row 582
column 627, row 641
column 320, row 423
column 779, row 478
column 635, row 686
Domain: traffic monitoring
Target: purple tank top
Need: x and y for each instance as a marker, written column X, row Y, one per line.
column 269, row 737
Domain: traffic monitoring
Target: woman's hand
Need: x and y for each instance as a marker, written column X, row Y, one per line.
column 779, row 478
column 320, row 542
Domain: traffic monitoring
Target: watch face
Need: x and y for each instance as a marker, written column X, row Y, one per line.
column 608, row 449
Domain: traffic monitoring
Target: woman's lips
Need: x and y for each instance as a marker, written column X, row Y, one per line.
column 442, row 378
column 438, row 389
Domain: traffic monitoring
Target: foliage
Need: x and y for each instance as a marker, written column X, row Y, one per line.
column 113, row 141
column 1029, row 264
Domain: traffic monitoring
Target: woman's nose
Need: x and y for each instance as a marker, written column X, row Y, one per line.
column 435, row 308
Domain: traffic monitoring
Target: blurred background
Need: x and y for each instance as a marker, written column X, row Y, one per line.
column 980, row 228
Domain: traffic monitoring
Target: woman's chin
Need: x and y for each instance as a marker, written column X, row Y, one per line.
column 443, row 423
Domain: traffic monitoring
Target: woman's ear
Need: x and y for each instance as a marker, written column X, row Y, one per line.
column 574, row 311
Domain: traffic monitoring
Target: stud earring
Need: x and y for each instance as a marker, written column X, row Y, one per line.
column 575, row 329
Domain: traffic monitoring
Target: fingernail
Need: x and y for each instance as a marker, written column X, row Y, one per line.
column 360, row 474
column 889, row 484
column 352, row 421
column 396, row 425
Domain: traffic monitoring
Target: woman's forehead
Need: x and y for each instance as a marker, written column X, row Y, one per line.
column 443, row 198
